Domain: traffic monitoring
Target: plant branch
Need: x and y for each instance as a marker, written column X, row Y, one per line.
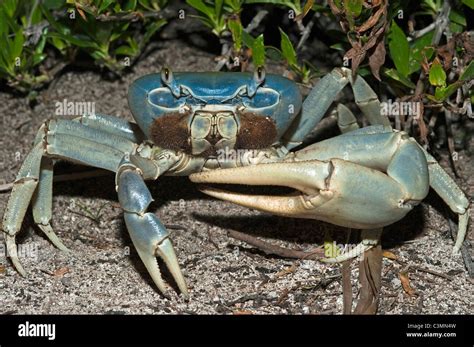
column 268, row 248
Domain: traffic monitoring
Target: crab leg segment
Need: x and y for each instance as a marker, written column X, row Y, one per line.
column 56, row 139
column 322, row 96
column 23, row 189
column 454, row 197
column 148, row 234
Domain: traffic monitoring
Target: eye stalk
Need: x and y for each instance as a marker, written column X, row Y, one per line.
column 168, row 79
column 258, row 79
column 259, row 75
column 166, row 75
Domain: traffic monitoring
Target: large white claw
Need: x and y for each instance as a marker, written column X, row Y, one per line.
column 307, row 177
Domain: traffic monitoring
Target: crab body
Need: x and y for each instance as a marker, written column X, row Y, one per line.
column 195, row 123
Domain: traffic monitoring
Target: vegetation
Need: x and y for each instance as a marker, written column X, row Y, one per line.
column 420, row 51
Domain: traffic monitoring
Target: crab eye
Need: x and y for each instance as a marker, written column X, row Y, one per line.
column 259, row 75
column 166, row 75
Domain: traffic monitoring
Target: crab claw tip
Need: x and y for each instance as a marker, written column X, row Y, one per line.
column 166, row 252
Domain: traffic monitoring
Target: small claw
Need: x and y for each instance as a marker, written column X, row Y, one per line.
column 353, row 253
column 166, row 252
column 149, row 260
column 13, row 254
column 49, row 232
column 150, row 239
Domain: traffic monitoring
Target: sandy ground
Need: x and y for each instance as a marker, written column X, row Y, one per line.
column 105, row 275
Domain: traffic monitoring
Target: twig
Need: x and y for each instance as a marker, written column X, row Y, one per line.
column 245, row 298
column 268, row 248
column 441, row 22
column 346, row 287
column 451, row 149
column 422, row 269
column 255, row 22
column 435, row 273
column 306, row 31
column 418, row 33
column 134, row 16
column 66, row 177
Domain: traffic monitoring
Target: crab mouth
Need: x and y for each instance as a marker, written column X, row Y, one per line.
column 207, row 132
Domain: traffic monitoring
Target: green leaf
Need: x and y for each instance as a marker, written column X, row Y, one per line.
column 294, row 5
column 130, row 5
column 3, row 23
column 218, row 7
column 442, row 93
column 455, row 28
column 395, row 75
column 418, row 49
column 106, row 3
column 353, row 7
column 258, row 51
column 42, row 42
column 469, row 3
column 58, row 43
column 53, row 4
column 151, row 29
column 236, row 29
column 9, row 6
column 78, row 40
column 17, row 46
column 38, row 58
column 468, row 73
column 399, row 49
column 201, row 7
column 125, row 50
column 248, row 39
column 338, row 47
column 274, row 53
column 437, row 76
column 287, row 49
column 456, row 17
column 145, row 4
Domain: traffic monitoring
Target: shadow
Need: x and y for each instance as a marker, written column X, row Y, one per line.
column 408, row 228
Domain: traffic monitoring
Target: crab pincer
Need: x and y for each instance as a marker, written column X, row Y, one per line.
column 148, row 234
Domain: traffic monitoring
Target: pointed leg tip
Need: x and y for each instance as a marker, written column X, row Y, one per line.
column 185, row 295
column 12, row 252
column 456, row 250
column 56, row 241
column 17, row 265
